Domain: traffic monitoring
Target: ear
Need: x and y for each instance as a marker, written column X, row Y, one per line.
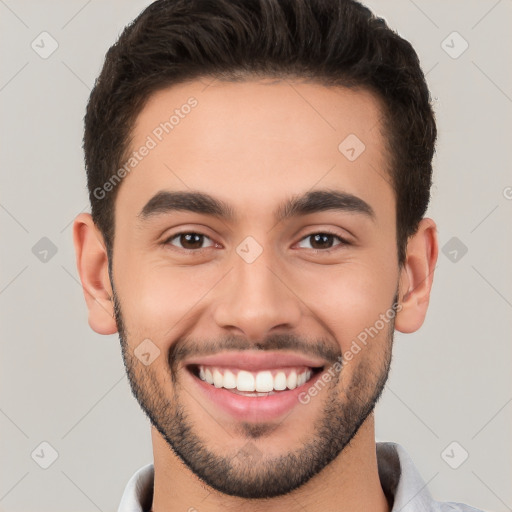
column 92, row 265
column 416, row 277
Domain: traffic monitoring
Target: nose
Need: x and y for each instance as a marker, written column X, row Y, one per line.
column 256, row 298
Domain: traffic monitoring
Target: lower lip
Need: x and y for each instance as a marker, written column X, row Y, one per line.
column 254, row 408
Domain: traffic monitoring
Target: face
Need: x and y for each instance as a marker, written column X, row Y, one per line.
column 248, row 271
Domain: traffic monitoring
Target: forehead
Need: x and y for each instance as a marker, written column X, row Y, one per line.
column 257, row 142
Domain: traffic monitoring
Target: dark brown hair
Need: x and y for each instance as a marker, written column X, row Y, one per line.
column 330, row 42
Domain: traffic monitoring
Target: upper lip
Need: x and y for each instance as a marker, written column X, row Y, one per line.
column 255, row 361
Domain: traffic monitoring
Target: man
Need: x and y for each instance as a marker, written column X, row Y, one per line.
column 258, row 174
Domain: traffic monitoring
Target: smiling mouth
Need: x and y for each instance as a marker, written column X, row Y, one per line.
column 254, row 383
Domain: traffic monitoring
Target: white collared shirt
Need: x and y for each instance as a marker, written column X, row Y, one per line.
column 398, row 476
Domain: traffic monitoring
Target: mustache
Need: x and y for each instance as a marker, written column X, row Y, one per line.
column 318, row 348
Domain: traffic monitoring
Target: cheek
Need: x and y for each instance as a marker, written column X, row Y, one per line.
column 350, row 299
column 156, row 298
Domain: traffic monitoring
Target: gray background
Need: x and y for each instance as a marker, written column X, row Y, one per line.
column 63, row 384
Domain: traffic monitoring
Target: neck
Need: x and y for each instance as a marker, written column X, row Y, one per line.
column 349, row 483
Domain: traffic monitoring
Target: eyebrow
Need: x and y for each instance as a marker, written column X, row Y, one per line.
column 164, row 202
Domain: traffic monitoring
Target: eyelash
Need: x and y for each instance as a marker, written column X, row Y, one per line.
column 199, row 251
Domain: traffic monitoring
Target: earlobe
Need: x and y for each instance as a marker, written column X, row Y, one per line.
column 92, row 266
column 417, row 276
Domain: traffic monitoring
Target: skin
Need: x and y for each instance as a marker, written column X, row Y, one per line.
column 253, row 145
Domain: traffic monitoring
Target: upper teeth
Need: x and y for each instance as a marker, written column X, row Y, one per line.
column 255, row 381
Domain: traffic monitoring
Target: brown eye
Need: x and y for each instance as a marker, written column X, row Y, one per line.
column 189, row 240
column 323, row 241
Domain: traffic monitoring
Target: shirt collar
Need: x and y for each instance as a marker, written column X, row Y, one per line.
column 400, row 480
